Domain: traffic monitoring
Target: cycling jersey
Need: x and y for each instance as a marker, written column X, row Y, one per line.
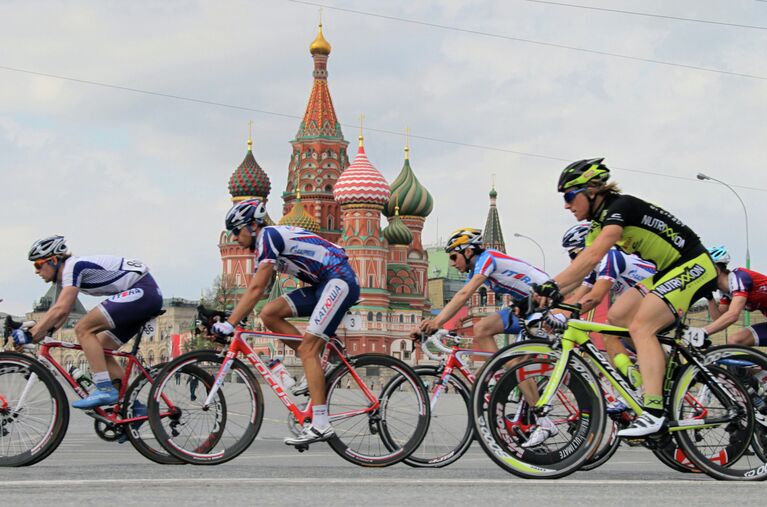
column 300, row 253
column 748, row 284
column 102, row 275
column 622, row 269
column 648, row 231
column 506, row 274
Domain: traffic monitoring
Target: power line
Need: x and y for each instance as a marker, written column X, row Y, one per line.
column 648, row 15
column 535, row 42
column 371, row 129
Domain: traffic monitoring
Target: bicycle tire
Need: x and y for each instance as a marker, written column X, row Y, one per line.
column 358, row 437
column 743, row 467
column 142, row 436
column 607, row 448
column 217, row 441
column 436, row 451
column 490, row 395
column 12, row 363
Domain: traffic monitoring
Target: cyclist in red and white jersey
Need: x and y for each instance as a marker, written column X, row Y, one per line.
column 134, row 298
column 742, row 289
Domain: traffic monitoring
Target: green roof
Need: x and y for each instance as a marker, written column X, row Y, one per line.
column 439, row 265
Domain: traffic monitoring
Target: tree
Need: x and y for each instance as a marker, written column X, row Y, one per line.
column 223, row 294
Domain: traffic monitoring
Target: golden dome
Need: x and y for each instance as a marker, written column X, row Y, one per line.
column 319, row 45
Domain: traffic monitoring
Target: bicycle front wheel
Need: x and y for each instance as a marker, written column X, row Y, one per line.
column 34, row 412
column 199, row 431
column 450, row 432
column 379, row 410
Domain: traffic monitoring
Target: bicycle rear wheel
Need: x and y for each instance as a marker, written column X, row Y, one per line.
column 200, row 433
column 400, row 413
column 720, row 450
column 33, row 427
column 450, row 432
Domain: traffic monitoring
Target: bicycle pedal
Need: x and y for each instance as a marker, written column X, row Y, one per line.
column 302, row 448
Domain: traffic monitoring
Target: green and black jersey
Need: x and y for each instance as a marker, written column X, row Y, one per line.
column 648, row 231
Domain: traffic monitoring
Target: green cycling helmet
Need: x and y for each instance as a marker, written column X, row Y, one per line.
column 583, row 172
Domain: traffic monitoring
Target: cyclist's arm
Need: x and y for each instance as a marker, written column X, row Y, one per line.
column 729, row 317
column 57, row 315
column 588, row 258
column 460, row 298
column 595, row 295
column 253, row 293
column 577, row 294
column 715, row 310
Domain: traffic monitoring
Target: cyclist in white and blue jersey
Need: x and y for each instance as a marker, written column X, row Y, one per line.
column 332, row 289
column 134, row 298
column 504, row 274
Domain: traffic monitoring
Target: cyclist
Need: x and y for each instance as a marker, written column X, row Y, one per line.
column 616, row 273
column 332, row 288
column 503, row 274
column 742, row 289
column 685, row 271
column 134, row 298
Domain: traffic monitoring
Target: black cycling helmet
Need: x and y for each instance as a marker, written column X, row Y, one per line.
column 581, row 173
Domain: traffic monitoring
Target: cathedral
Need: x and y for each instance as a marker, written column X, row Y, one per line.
column 344, row 201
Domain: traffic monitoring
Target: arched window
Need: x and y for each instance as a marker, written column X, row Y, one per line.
column 370, row 316
column 330, row 218
column 401, row 320
column 379, row 316
column 412, row 319
column 483, row 297
column 308, row 187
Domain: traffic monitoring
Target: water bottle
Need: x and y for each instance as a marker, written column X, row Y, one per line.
column 82, row 378
column 281, row 373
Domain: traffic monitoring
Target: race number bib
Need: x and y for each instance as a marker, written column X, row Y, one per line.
column 134, row 266
column 149, row 329
column 351, row 321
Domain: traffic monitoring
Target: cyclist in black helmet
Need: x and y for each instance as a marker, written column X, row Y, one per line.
column 685, row 271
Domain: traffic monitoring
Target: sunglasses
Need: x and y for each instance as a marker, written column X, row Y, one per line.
column 453, row 257
column 570, row 194
column 236, row 231
column 39, row 263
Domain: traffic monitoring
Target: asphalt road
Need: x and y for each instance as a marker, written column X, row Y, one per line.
column 88, row 471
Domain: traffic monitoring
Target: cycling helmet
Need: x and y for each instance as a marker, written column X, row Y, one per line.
column 244, row 213
column 463, row 238
column 583, row 172
column 575, row 237
column 48, row 247
column 720, row 255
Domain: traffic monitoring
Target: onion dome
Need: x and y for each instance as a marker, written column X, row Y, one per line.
column 249, row 180
column 493, row 194
column 319, row 45
column 298, row 217
column 397, row 233
column 361, row 183
column 412, row 198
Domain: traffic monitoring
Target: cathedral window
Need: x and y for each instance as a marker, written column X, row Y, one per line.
column 379, row 316
column 370, row 316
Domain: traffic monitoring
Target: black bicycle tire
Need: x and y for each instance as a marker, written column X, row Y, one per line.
column 61, row 425
column 468, row 437
column 344, row 450
column 166, row 440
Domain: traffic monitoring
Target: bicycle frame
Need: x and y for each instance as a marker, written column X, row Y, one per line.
column 239, row 346
column 576, row 336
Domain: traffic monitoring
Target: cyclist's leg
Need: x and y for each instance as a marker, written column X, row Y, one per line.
column 273, row 315
column 621, row 312
column 753, row 336
column 109, row 341
column 489, row 326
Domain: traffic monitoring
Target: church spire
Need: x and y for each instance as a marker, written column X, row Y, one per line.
column 492, row 234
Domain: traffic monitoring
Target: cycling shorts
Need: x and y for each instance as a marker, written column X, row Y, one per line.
column 325, row 303
column 684, row 282
column 759, row 332
column 128, row 310
column 510, row 321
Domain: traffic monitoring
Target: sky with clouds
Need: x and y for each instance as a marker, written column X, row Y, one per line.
column 146, row 176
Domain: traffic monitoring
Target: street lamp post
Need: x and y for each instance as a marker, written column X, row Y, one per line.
column 517, row 235
column 703, row 177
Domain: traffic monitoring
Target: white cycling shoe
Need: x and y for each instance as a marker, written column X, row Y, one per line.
column 310, row 435
column 644, row 425
column 545, row 430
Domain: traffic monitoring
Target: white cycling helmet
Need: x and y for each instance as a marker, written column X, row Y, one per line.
column 575, row 237
column 244, row 213
column 719, row 254
column 48, row 247
column 463, row 238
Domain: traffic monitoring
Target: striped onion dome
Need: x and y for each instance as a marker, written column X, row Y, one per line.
column 249, row 180
column 397, row 233
column 361, row 183
column 407, row 192
column 298, row 217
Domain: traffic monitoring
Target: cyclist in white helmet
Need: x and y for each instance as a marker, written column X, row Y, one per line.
column 742, row 289
column 616, row 273
column 134, row 298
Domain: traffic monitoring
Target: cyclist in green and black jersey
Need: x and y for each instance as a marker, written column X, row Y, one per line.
column 685, row 271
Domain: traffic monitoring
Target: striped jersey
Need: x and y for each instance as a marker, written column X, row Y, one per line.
column 622, row 269
column 102, row 275
column 507, row 274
